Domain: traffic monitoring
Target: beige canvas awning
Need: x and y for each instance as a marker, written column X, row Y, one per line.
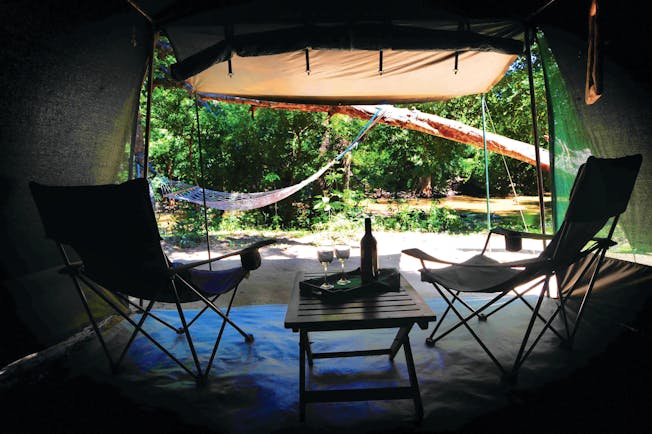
column 367, row 53
column 338, row 77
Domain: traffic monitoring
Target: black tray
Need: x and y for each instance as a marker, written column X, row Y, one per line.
column 388, row 281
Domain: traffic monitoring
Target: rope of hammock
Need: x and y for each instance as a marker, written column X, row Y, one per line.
column 230, row 201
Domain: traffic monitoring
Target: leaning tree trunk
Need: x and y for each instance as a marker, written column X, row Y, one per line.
column 414, row 120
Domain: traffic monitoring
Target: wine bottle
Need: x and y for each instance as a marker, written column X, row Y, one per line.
column 368, row 254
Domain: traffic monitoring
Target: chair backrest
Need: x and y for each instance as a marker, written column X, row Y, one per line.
column 113, row 230
column 601, row 190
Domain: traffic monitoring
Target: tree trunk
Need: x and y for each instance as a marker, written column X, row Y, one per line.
column 347, row 171
column 424, row 186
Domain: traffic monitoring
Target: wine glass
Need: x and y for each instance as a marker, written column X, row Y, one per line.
column 342, row 253
column 325, row 257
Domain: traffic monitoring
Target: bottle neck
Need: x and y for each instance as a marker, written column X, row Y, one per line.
column 367, row 225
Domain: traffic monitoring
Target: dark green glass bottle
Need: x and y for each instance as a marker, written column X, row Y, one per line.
column 368, row 254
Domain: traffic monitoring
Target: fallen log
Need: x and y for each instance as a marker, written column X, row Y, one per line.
column 413, row 120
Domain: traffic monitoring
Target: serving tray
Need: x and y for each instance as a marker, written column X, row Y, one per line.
column 388, row 281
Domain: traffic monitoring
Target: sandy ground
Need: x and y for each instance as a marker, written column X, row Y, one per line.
column 284, row 261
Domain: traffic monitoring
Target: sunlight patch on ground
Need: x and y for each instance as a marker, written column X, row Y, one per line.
column 503, row 206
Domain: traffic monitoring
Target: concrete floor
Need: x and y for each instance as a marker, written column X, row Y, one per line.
column 605, row 387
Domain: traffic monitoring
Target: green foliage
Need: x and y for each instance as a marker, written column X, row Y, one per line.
column 346, row 203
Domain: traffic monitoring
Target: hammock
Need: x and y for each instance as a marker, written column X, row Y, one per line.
column 245, row 201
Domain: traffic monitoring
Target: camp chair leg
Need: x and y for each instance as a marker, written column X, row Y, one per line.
column 75, row 276
column 562, row 309
column 140, row 309
column 563, row 298
column 519, row 296
column 430, row 339
column 546, row 326
column 463, row 321
column 214, row 308
column 200, row 313
column 135, row 332
column 519, row 357
column 215, row 346
column 484, row 317
column 589, row 290
column 182, row 317
column 516, row 296
column 99, row 293
column 96, row 329
column 547, row 322
column 248, row 339
column 464, row 303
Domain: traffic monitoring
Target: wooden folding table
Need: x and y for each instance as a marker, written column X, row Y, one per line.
column 311, row 313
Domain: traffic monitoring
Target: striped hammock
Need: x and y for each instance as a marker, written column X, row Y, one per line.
column 234, row 201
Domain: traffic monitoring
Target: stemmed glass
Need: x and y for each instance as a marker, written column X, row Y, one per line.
column 342, row 253
column 325, row 256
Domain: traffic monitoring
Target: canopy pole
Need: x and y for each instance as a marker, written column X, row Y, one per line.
column 535, row 130
column 486, row 163
column 203, row 181
column 132, row 143
column 141, row 11
column 148, row 113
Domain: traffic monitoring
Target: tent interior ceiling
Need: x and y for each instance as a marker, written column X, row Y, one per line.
column 195, row 26
column 369, row 52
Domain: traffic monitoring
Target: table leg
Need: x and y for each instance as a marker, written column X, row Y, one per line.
column 414, row 383
column 403, row 332
column 308, row 348
column 303, row 339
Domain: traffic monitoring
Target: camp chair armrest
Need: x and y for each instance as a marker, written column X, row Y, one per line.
column 255, row 246
column 421, row 255
column 514, row 239
column 605, row 242
column 531, row 235
column 72, row 268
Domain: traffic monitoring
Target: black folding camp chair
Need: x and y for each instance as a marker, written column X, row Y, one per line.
column 113, row 232
column 600, row 194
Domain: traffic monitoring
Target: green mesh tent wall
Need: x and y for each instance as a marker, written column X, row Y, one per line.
column 615, row 125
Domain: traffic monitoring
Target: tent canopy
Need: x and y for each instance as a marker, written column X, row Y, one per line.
column 367, row 52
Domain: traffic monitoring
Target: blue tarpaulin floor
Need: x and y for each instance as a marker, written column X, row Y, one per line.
column 253, row 388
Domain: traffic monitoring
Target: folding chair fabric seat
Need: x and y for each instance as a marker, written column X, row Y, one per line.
column 215, row 282
column 485, row 279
